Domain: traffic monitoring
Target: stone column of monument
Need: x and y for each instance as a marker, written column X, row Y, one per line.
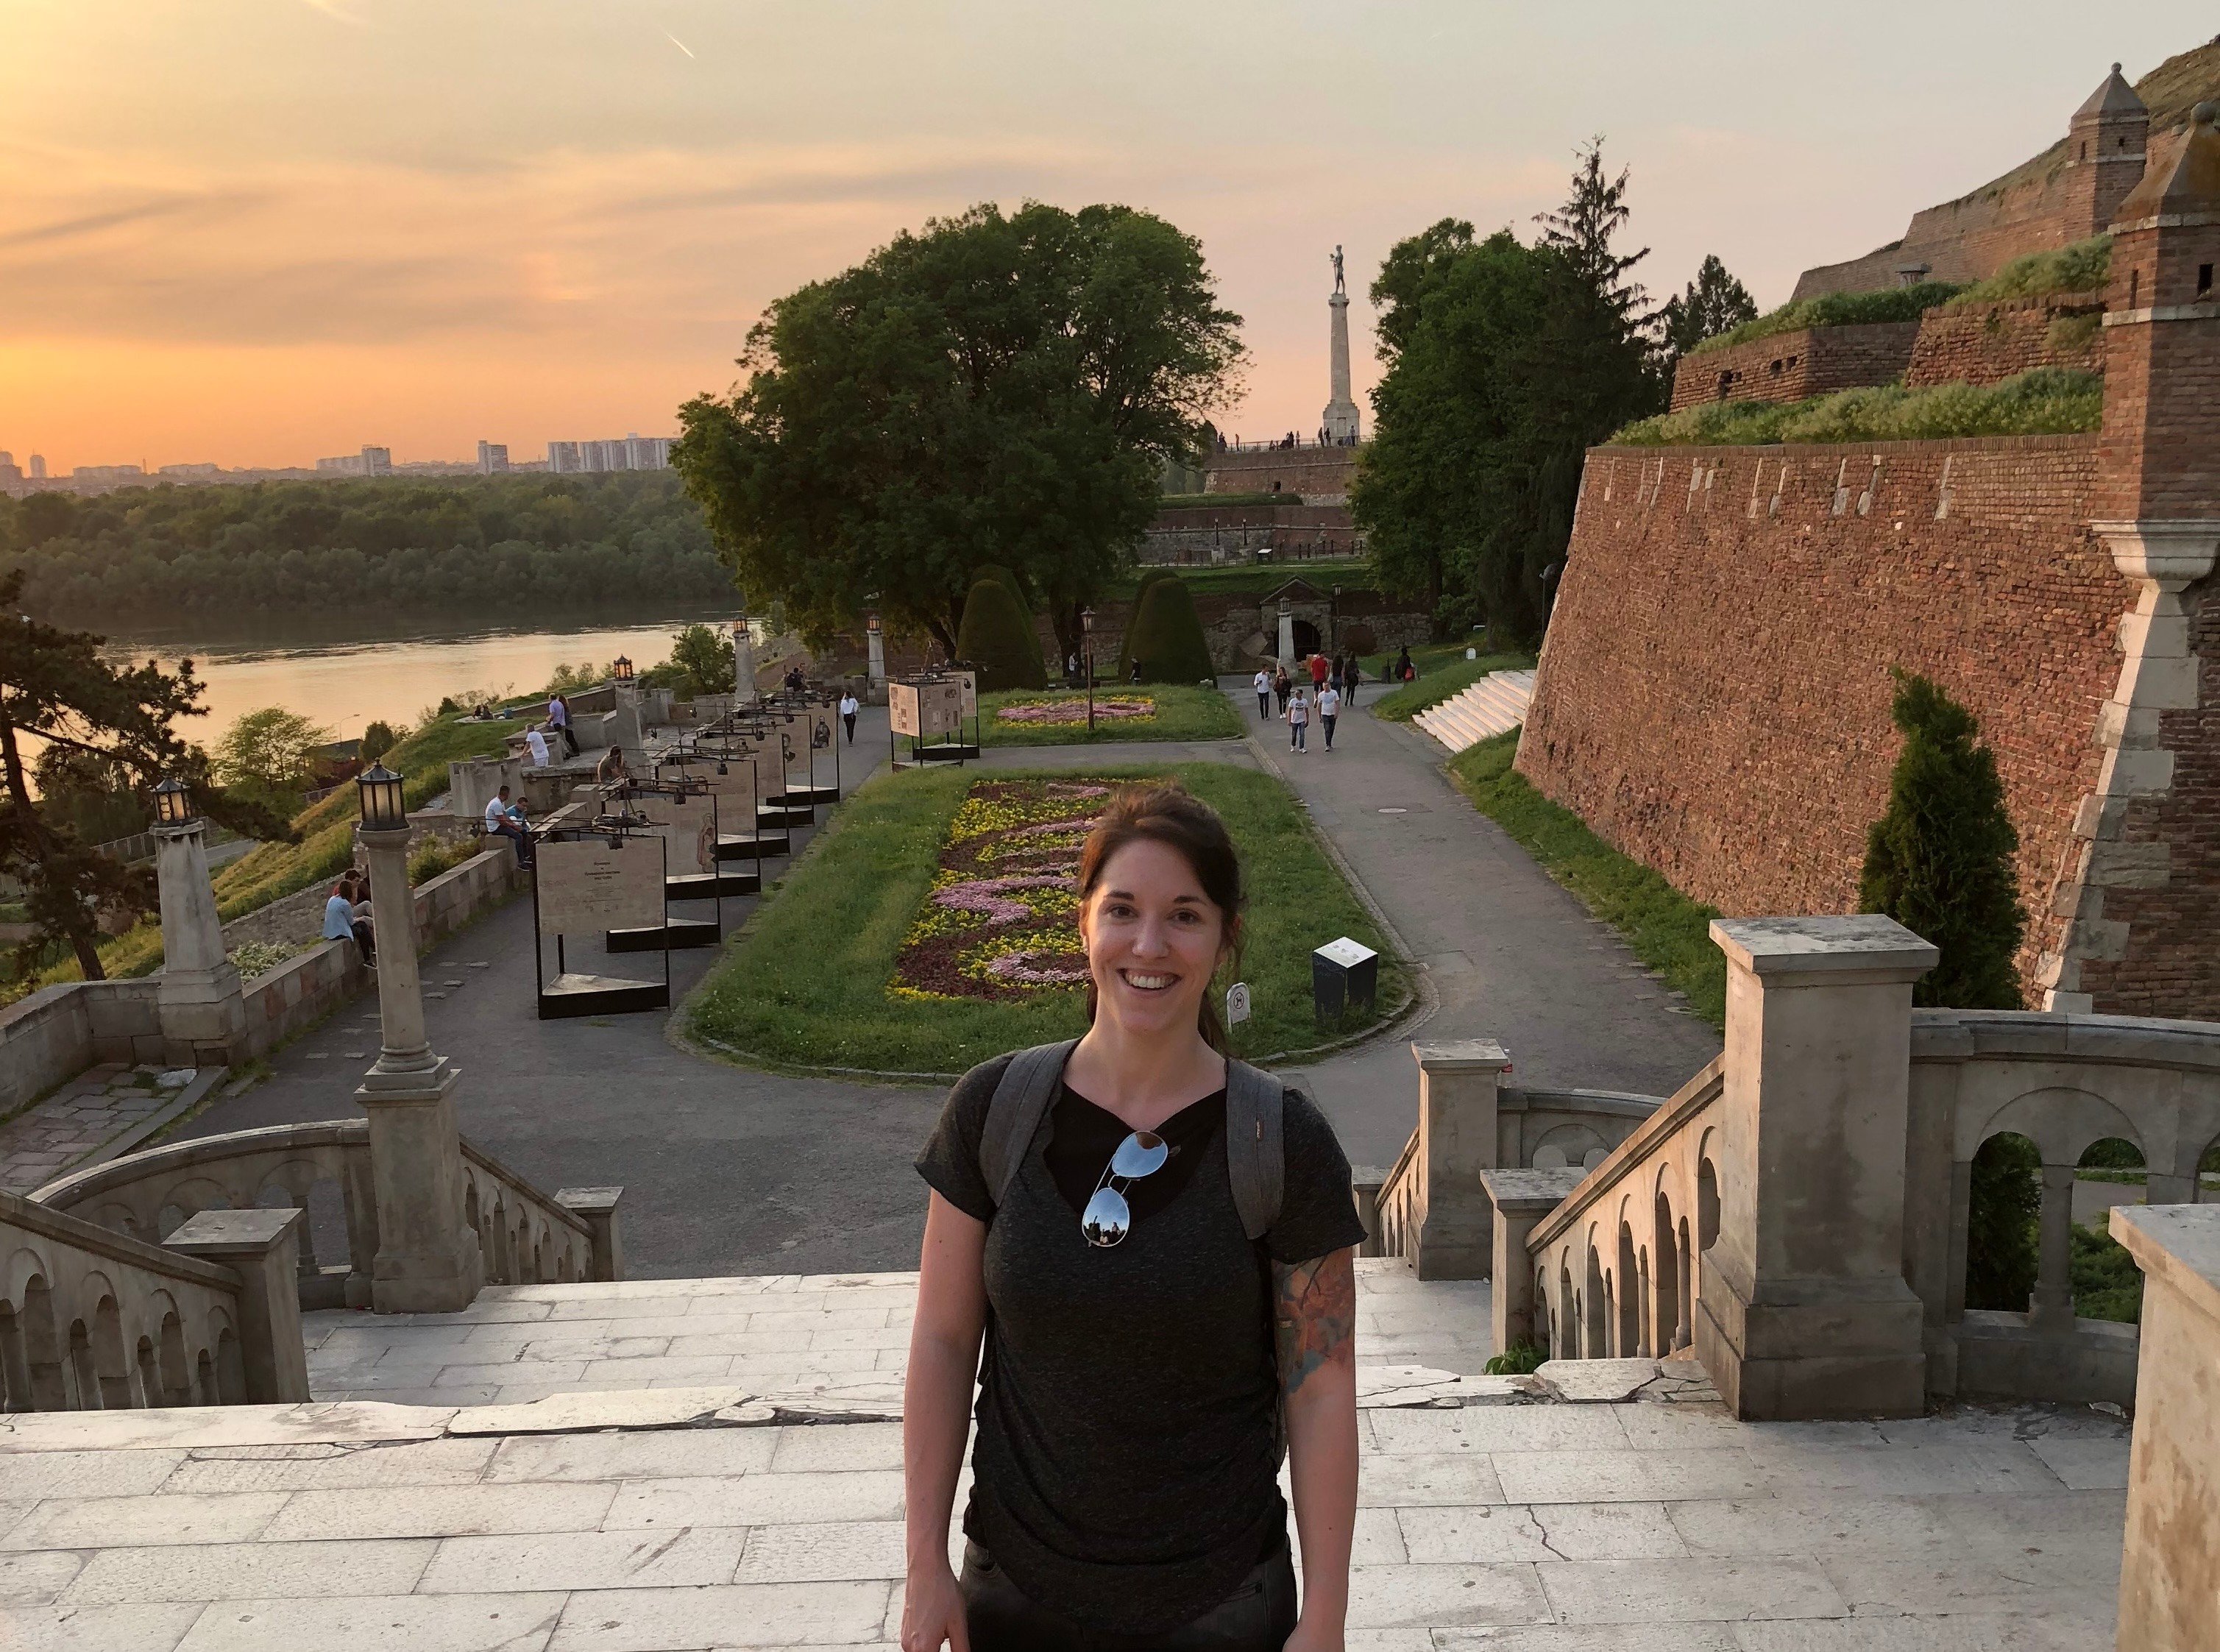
column 2141, row 882
column 876, row 640
column 428, row 1258
column 200, row 1003
column 1804, row 1310
column 1340, row 417
column 743, row 662
column 1286, row 654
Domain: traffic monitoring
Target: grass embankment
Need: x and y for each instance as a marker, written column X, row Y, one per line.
column 274, row 870
column 1184, row 712
column 1838, row 309
column 2042, row 402
column 1662, row 926
column 805, row 984
column 1400, row 702
column 2085, row 266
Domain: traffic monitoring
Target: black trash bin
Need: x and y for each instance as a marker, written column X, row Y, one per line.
column 1344, row 976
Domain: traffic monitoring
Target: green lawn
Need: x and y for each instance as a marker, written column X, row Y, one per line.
column 1184, row 712
column 1665, row 929
column 1438, row 680
column 805, row 984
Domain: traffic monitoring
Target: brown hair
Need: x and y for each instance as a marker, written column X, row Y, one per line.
column 1163, row 812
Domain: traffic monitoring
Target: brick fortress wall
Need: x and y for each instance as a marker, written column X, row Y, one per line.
column 1713, row 697
column 1318, row 474
column 1790, row 366
column 1995, row 341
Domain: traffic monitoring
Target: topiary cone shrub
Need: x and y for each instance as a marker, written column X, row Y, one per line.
column 1008, row 581
column 1166, row 639
column 1150, row 578
column 1940, row 862
column 998, row 637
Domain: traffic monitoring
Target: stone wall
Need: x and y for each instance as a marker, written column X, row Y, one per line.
column 1996, row 341
column 55, row 1033
column 1234, row 533
column 1790, row 366
column 1315, row 473
column 1713, row 694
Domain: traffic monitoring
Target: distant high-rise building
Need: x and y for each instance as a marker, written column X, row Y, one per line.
column 38, row 467
column 562, row 457
column 345, row 465
column 184, row 472
column 493, row 459
column 105, row 473
column 8, row 470
column 647, row 452
column 377, row 461
column 631, row 452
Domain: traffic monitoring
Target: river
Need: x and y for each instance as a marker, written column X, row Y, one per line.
column 346, row 684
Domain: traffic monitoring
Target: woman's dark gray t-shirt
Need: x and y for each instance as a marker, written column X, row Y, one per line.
column 1124, row 1471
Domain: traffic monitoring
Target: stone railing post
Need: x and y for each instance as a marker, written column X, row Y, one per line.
column 597, row 1208
column 263, row 1247
column 2170, row 1571
column 200, row 1003
column 1458, row 1086
column 1804, row 1312
column 427, row 1257
column 1522, row 1198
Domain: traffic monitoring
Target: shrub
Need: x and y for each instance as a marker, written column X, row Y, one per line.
column 2086, row 266
column 443, row 854
column 1939, row 861
column 378, row 740
column 253, row 958
column 997, row 637
column 1839, row 310
column 1166, row 639
column 1520, row 1359
column 2044, row 401
column 1151, row 577
column 1008, row 581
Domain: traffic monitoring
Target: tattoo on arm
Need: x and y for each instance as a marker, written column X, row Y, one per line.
column 1314, row 1316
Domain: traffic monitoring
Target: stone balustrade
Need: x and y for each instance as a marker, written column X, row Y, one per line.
column 529, row 1237
column 93, row 1319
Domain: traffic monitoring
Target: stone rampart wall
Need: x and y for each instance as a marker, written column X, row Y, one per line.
column 1713, row 697
column 1310, row 471
column 1996, row 341
column 1790, row 366
column 1291, row 533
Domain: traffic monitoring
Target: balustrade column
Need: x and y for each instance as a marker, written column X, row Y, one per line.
column 1456, row 1141
column 2050, row 1309
column 263, row 1247
column 1686, row 1291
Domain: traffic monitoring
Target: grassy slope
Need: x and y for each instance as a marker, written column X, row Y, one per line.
column 1184, row 712
column 805, row 982
column 1665, row 929
column 1440, row 681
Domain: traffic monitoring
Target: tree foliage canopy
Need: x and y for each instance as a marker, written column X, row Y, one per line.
column 998, row 637
column 270, row 753
column 997, row 389
column 1714, row 302
column 1939, row 861
column 1505, row 363
column 1166, row 641
column 56, row 690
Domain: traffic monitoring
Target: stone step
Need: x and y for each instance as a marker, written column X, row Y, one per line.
column 780, row 1335
column 1494, row 705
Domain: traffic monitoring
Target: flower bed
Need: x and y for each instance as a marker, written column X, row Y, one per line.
column 998, row 921
column 1129, row 708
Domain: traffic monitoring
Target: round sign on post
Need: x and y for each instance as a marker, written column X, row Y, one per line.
column 1237, row 1003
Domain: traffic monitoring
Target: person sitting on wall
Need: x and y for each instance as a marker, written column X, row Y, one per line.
column 505, row 819
column 610, row 771
column 366, row 919
column 338, row 918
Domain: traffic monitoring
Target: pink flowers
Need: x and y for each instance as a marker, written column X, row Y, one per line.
column 1119, row 707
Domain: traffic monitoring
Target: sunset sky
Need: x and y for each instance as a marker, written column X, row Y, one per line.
column 259, row 231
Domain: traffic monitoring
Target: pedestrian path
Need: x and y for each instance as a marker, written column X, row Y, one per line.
column 104, row 1111
column 1507, row 953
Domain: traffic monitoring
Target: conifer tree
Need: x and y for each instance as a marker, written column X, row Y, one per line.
column 1714, row 302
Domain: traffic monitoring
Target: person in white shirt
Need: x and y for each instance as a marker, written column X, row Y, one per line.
column 504, row 819
column 1299, row 717
column 538, row 743
column 848, row 710
column 1263, row 687
column 1328, row 709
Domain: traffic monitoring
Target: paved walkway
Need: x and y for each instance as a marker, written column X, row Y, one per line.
column 1509, row 954
column 104, row 1111
column 1492, row 1513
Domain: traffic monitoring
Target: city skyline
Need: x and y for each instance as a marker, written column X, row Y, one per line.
column 537, row 220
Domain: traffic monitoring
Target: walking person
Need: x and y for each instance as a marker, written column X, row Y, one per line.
column 1163, row 1304
column 849, row 706
column 1352, row 673
column 1281, row 685
column 1299, row 717
column 558, row 719
column 1263, row 687
column 1318, row 669
column 1329, row 709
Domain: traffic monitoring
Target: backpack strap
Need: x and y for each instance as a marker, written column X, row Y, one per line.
column 1256, row 1146
column 1022, row 1095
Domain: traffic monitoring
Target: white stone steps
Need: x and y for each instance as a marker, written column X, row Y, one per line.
column 1494, row 705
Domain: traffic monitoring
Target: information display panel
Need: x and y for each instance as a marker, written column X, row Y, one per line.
column 903, row 708
column 688, row 827
column 588, row 887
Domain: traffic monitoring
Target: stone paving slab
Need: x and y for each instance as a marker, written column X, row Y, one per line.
column 105, row 1111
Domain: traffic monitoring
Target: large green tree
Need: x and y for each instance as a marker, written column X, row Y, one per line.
column 1505, row 363
column 998, row 389
column 57, row 693
column 1714, row 302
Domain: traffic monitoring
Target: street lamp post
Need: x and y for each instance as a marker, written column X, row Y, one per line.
column 199, row 1002
column 428, row 1258
column 874, row 642
column 1086, row 635
column 744, row 660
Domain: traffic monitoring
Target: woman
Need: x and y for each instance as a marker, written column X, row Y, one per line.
column 357, row 886
column 611, row 771
column 1145, row 1357
column 1299, row 720
column 1280, row 683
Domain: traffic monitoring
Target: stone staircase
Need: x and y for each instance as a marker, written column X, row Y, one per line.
column 1494, row 705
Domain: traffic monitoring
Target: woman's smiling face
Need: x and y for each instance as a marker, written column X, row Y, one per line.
column 1154, row 940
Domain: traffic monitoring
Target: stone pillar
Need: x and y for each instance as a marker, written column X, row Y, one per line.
column 597, row 1208
column 428, row 1258
column 2170, row 1568
column 1457, row 1085
column 1804, row 1312
column 1287, row 643
column 874, row 640
column 263, row 1247
column 200, row 1002
column 1520, row 1199
column 2050, row 1309
column 744, row 664
column 1340, row 418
